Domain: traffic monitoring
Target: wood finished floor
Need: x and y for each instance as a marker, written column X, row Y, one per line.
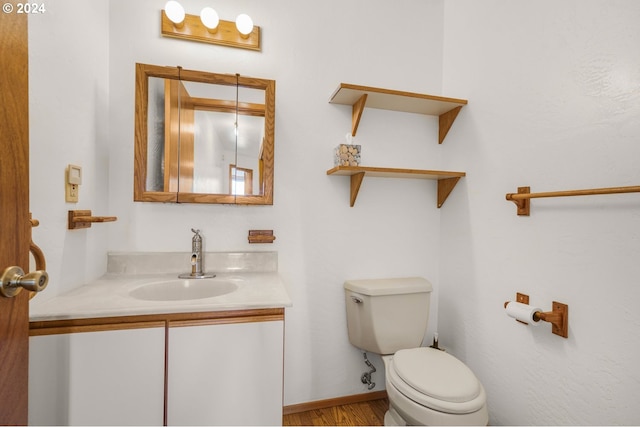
column 369, row 413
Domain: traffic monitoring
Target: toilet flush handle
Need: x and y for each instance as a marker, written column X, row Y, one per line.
column 356, row 299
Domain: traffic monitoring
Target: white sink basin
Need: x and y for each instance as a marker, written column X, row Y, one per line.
column 183, row 289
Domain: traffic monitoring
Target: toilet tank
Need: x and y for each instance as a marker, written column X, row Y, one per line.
column 387, row 315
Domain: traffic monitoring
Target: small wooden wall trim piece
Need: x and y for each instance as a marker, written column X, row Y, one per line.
column 261, row 236
column 336, row 401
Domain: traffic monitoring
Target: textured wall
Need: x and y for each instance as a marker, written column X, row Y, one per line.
column 554, row 101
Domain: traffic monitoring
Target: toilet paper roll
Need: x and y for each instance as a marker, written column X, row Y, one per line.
column 522, row 312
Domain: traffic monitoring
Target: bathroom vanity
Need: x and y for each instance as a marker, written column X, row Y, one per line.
column 102, row 356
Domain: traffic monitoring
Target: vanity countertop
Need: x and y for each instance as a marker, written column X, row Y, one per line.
column 109, row 296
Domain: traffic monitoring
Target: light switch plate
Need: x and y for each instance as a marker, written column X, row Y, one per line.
column 72, row 181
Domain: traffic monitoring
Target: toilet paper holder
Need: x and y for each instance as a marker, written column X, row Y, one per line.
column 558, row 316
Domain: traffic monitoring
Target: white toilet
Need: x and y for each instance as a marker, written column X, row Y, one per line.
column 425, row 386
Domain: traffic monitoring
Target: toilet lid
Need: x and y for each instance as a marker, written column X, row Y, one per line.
column 436, row 374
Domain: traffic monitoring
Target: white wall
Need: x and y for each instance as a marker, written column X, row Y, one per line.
column 554, row 101
column 308, row 48
column 68, row 123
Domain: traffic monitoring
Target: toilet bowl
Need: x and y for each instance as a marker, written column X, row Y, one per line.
column 425, row 386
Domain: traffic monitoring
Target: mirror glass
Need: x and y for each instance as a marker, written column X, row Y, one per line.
column 203, row 137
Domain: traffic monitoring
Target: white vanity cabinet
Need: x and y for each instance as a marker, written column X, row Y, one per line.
column 209, row 368
column 101, row 377
column 225, row 374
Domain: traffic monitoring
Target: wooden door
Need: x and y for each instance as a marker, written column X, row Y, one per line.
column 15, row 227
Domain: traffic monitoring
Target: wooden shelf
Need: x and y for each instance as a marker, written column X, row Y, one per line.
column 446, row 180
column 359, row 97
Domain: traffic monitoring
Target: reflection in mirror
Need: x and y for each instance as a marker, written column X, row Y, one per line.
column 203, row 137
column 240, row 180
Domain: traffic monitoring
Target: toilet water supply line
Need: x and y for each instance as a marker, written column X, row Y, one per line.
column 366, row 376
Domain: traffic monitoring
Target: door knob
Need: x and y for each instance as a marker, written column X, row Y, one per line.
column 13, row 280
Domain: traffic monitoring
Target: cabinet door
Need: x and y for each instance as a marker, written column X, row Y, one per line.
column 97, row 378
column 228, row 374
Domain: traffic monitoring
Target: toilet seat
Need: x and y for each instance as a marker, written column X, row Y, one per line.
column 437, row 380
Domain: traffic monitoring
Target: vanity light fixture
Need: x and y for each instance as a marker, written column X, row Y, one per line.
column 244, row 24
column 175, row 13
column 209, row 28
column 209, row 18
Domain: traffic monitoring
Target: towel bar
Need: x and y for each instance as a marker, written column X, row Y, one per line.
column 523, row 196
column 84, row 219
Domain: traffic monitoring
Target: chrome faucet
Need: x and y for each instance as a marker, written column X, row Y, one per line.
column 196, row 259
column 196, row 256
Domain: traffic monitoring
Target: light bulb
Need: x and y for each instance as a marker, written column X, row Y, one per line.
column 174, row 11
column 244, row 24
column 209, row 18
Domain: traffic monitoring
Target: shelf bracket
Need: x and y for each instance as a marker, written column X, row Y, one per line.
column 356, row 113
column 356, row 182
column 445, row 122
column 445, row 187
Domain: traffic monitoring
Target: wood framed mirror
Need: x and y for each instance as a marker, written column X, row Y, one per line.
column 203, row 137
